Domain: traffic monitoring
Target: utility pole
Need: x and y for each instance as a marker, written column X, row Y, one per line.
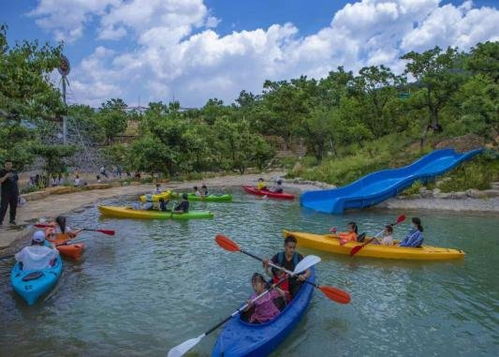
column 64, row 69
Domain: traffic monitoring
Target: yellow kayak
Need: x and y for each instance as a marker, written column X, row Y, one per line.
column 330, row 243
column 129, row 212
column 155, row 198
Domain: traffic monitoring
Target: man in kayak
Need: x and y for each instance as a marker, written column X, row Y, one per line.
column 183, row 207
column 415, row 237
column 163, row 205
column 37, row 256
column 287, row 259
column 278, row 187
column 204, row 191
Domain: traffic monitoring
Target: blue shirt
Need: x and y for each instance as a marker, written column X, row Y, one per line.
column 413, row 239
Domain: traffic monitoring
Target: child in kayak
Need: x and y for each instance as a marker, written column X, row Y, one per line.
column 183, row 207
column 349, row 236
column 37, row 256
column 261, row 185
column 204, row 191
column 387, row 237
column 415, row 237
column 287, row 259
column 60, row 228
column 196, row 191
column 264, row 309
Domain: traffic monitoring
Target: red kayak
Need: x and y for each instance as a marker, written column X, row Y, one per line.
column 255, row 191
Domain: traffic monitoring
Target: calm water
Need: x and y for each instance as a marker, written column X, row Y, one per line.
column 158, row 283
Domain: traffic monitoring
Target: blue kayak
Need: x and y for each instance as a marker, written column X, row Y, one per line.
column 31, row 284
column 240, row 338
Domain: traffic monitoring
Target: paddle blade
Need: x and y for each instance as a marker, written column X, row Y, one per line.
column 181, row 349
column 306, row 263
column 400, row 219
column 41, row 225
column 226, row 243
column 336, row 294
column 355, row 250
column 109, row 232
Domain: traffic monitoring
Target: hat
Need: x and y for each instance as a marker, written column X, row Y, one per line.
column 39, row 237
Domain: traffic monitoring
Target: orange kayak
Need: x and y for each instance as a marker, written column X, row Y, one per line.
column 73, row 251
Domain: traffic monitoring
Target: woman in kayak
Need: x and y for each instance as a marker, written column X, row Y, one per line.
column 387, row 237
column 37, row 256
column 183, row 207
column 415, row 237
column 287, row 259
column 59, row 227
column 261, row 185
column 349, row 236
column 264, row 309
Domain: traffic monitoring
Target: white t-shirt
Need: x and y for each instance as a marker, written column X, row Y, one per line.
column 36, row 257
column 387, row 240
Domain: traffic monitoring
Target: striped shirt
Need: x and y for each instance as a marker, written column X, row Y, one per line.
column 413, row 239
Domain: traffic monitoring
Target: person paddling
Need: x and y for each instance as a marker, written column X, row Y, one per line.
column 265, row 308
column 349, row 236
column 183, row 207
column 287, row 259
column 163, row 205
column 415, row 237
column 278, row 187
column 37, row 256
column 60, row 228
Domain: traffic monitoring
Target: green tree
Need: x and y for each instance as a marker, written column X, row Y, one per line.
column 55, row 156
column 112, row 118
column 439, row 75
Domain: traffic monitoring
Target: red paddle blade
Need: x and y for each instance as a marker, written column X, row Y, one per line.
column 41, row 225
column 355, row 250
column 226, row 243
column 400, row 219
column 336, row 294
column 106, row 231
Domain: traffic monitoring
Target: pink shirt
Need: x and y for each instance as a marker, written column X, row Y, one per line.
column 265, row 308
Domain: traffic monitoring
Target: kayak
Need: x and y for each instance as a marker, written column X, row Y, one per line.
column 129, row 212
column 240, row 338
column 155, row 197
column 73, row 251
column 32, row 284
column 255, row 191
column 209, row 198
column 330, row 243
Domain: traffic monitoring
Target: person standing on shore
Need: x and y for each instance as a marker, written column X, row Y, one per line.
column 10, row 192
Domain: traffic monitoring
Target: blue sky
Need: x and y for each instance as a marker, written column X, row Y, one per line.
column 194, row 50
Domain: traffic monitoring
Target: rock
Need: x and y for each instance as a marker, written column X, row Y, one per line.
column 426, row 193
column 442, row 195
column 474, row 193
column 462, row 143
column 436, row 191
column 458, row 195
column 491, row 193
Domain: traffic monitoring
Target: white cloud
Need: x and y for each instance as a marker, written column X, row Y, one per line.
column 176, row 51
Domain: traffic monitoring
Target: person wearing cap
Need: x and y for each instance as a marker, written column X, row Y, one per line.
column 37, row 256
column 183, row 207
column 278, row 187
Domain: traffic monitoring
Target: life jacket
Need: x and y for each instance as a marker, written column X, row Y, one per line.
column 281, row 257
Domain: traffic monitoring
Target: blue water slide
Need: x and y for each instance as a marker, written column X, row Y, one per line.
column 381, row 185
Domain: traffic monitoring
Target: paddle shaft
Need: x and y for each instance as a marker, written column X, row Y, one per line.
column 238, row 311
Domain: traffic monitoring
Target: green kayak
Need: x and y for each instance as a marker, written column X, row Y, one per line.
column 209, row 198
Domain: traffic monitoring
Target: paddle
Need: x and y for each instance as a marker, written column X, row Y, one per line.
column 185, row 346
column 332, row 293
column 356, row 249
column 109, row 232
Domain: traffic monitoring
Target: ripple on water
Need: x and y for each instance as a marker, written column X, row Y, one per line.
column 158, row 283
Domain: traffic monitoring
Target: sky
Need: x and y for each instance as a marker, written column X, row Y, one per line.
column 194, row 50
